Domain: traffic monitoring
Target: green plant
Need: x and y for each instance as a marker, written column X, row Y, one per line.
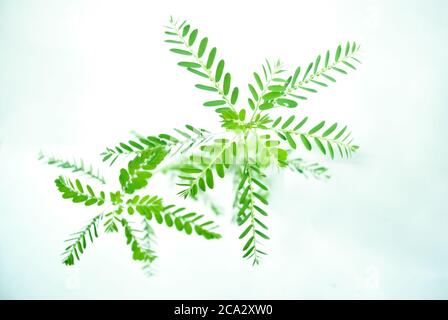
column 254, row 142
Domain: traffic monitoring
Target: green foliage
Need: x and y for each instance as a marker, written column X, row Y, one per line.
column 188, row 222
column 201, row 59
column 112, row 222
column 188, row 139
column 289, row 92
column 309, row 169
column 152, row 208
column 78, row 193
column 250, row 202
column 141, row 246
column 132, row 147
column 267, row 87
column 139, row 169
column 74, row 166
column 149, row 207
column 79, row 240
column 325, row 140
column 254, row 144
column 203, row 169
column 148, row 242
column 183, row 142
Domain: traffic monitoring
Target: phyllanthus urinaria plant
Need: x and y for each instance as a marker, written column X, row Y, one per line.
column 253, row 142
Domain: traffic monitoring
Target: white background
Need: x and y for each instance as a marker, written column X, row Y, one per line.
column 77, row 76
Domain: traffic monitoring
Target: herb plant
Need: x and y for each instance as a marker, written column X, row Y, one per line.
column 252, row 145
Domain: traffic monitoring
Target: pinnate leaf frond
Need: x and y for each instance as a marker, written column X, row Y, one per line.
column 79, row 240
column 307, row 169
column 202, row 61
column 141, row 245
column 78, row 193
column 251, row 199
column 75, row 166
column 290, row 92
column 328, row 140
